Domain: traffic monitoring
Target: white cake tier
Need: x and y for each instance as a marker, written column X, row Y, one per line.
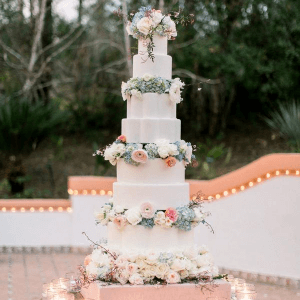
column 152, row 105
column 161, row 66
column 151, row 130
column 157, row 238
column 160, row 42
column 161, row 196
column 154, row 171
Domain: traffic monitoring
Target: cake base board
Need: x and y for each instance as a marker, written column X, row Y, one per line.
column 188, row 291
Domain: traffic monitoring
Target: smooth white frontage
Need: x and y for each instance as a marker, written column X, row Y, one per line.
column 151, row 130
column 152, row 105
column 160, row 42
column 154, row 171
column 139, row 237
column 161, row 66
column 257, row 230
column 161, row 196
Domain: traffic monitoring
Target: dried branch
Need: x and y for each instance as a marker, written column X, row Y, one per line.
column 37, row 37
column 187, row 73
column 13, row 53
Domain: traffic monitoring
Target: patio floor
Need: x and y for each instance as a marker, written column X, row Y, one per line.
column 22, row 275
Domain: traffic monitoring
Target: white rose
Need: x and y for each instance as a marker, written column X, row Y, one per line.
column 151, row 258
column 102, row 272
column 100, row 258
column 131, row 268
column 156, row 17
column 188, row 153
column 167, row 20
column 204, row 260
column 141, row 263
column 178, row 264
column 191, row 253
column 168, row 223
column 136, row 279
column 198, row 215
column 129, row 31
column 92, row 269
column 100, row 215
column 173, row 149
column 119, row 209
column 205, row 269
column 144, row 25
column 183, row 145
column 173, row 277
column 160, row 218
column 133, row 215
column 123, row 88
column 149, row 271
column 111, row 215
column 147, row 77
column 174, row 94
column 215, row 271
column 203, row 249
column 162, row 269
column 172, row 28
column 163, row 151
column 136, row 93
column 194, row 272
column 183, row 274
column 122, row 277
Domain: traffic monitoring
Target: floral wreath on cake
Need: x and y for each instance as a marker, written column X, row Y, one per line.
column 184, row 217
column 110, row 265
column 152, row 84
column 136, row 154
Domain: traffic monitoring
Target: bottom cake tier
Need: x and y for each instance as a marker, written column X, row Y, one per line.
column 219, row 289
column 110, row 264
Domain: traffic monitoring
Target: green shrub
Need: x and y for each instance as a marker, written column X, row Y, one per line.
column 286, row 119
column 23, row 126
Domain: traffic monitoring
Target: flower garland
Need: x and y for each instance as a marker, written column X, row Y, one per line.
column 152, row 267
column 135, row 154
column 152, row 84
column 184, row 218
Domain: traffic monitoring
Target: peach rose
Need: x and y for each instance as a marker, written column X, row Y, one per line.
column 87, row 260
column 147, row 210
column 120, row 221
column 122, row 138
column 139, row 156
column 171, row 213
column 170, row 161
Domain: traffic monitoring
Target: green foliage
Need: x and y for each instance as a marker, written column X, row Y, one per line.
column 209, row 155
column 286, row 119
column 23, row 125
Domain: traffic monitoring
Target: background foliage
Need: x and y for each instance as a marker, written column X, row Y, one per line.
column 240, row 61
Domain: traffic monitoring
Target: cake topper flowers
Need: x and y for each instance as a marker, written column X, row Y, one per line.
column 148, row 21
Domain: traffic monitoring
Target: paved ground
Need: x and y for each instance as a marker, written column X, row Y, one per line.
column 22, row 276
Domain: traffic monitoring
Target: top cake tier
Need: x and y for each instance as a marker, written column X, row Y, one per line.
column 162, row 64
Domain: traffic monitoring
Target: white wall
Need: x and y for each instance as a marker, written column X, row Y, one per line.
column 35, row 229
column 53, row 228
column 257, row 230
column 83, row 219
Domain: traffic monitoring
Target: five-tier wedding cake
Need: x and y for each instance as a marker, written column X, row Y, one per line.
column 150, row 219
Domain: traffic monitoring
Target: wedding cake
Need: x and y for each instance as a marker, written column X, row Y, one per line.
column 150, row 219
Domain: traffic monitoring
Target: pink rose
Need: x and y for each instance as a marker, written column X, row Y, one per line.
column 172, row 214
column 170, row 161
column 120, row 221
column 87, row 260
column 147, row 210
column 139, row 156
column 122, row 138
